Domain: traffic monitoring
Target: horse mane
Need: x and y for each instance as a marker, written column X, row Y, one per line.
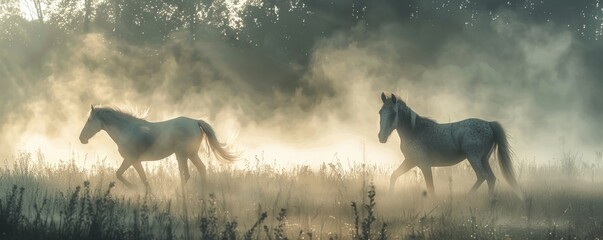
column 426, row 119
column 116, row 115
column 419, row 117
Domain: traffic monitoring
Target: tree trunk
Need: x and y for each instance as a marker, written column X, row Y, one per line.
column 87, row 13
column 38, row 6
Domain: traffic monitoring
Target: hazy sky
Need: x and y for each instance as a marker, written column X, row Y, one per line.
column 532, row 66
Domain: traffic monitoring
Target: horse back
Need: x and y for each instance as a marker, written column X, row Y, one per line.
column 448, row 143
column 157, row 140
column 473, row 135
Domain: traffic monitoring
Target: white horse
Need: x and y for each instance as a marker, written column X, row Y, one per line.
column 426, row 144
column 139, row 140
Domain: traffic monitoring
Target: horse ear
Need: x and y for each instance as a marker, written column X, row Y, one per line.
column 394, row 100
column 383, row 98
column 413, row 118
column 91, row 107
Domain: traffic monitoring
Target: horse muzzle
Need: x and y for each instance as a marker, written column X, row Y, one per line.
column 84, row 141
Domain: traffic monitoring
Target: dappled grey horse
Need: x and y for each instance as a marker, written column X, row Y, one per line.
column 139, row 140
column 427, row 144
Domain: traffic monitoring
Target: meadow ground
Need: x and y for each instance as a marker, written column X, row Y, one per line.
column 38, row 200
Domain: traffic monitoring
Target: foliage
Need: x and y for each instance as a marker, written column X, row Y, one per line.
column 35, row 208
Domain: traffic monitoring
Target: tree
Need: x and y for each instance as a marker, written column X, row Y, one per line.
column 87, row 14
column 38, row 6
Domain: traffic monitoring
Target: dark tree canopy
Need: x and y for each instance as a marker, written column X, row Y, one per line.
column 265, row 46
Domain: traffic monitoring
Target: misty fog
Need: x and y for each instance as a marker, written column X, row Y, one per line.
column 299, row 81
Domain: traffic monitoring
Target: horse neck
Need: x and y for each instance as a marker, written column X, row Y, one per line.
column 114, row 132
column 404, row 128
column 404, row 132
column 115, row 126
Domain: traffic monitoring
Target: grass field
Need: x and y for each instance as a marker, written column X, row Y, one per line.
column 38, row 200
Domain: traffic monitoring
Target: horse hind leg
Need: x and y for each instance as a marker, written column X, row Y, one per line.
column 183, row 168
column 201, row 168
column 480, row 172
column 491, row 179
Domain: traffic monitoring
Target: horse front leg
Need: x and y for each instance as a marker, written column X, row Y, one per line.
column 428, row 179
column 140, row 170
column 120, row 171
column 402, row 169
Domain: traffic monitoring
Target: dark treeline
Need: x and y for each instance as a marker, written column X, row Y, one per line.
column 289, row 26
column 267, row 45
column 285, row 30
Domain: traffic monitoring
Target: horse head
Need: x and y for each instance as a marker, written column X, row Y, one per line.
column 393, row 113
column 93, row 125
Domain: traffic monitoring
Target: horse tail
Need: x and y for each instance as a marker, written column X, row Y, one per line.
column 219, row 149
column 504, row 157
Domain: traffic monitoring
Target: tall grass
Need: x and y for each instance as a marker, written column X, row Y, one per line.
column 62, row 201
